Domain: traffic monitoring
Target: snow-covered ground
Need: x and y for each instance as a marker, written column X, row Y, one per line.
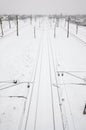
column 55, row 69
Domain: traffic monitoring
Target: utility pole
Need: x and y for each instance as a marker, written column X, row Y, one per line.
column 68, row 27
column 1, row 27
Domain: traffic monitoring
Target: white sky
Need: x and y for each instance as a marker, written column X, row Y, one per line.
column 42, row 6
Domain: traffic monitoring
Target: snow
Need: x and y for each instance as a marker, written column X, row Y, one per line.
column 39, row 61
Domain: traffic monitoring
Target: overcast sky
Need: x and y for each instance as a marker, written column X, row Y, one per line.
column 42, row 6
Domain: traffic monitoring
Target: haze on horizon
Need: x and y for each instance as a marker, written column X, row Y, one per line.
column 42, row 6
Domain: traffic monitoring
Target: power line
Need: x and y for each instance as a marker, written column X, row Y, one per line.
column 10, row 86
column 21, row 97
column 79, row 84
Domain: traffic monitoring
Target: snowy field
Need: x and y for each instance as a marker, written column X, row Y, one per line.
column 42, row 77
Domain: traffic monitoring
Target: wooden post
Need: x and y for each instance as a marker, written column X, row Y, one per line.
column 1, row 27
column 17, row 25
column 68, row 27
